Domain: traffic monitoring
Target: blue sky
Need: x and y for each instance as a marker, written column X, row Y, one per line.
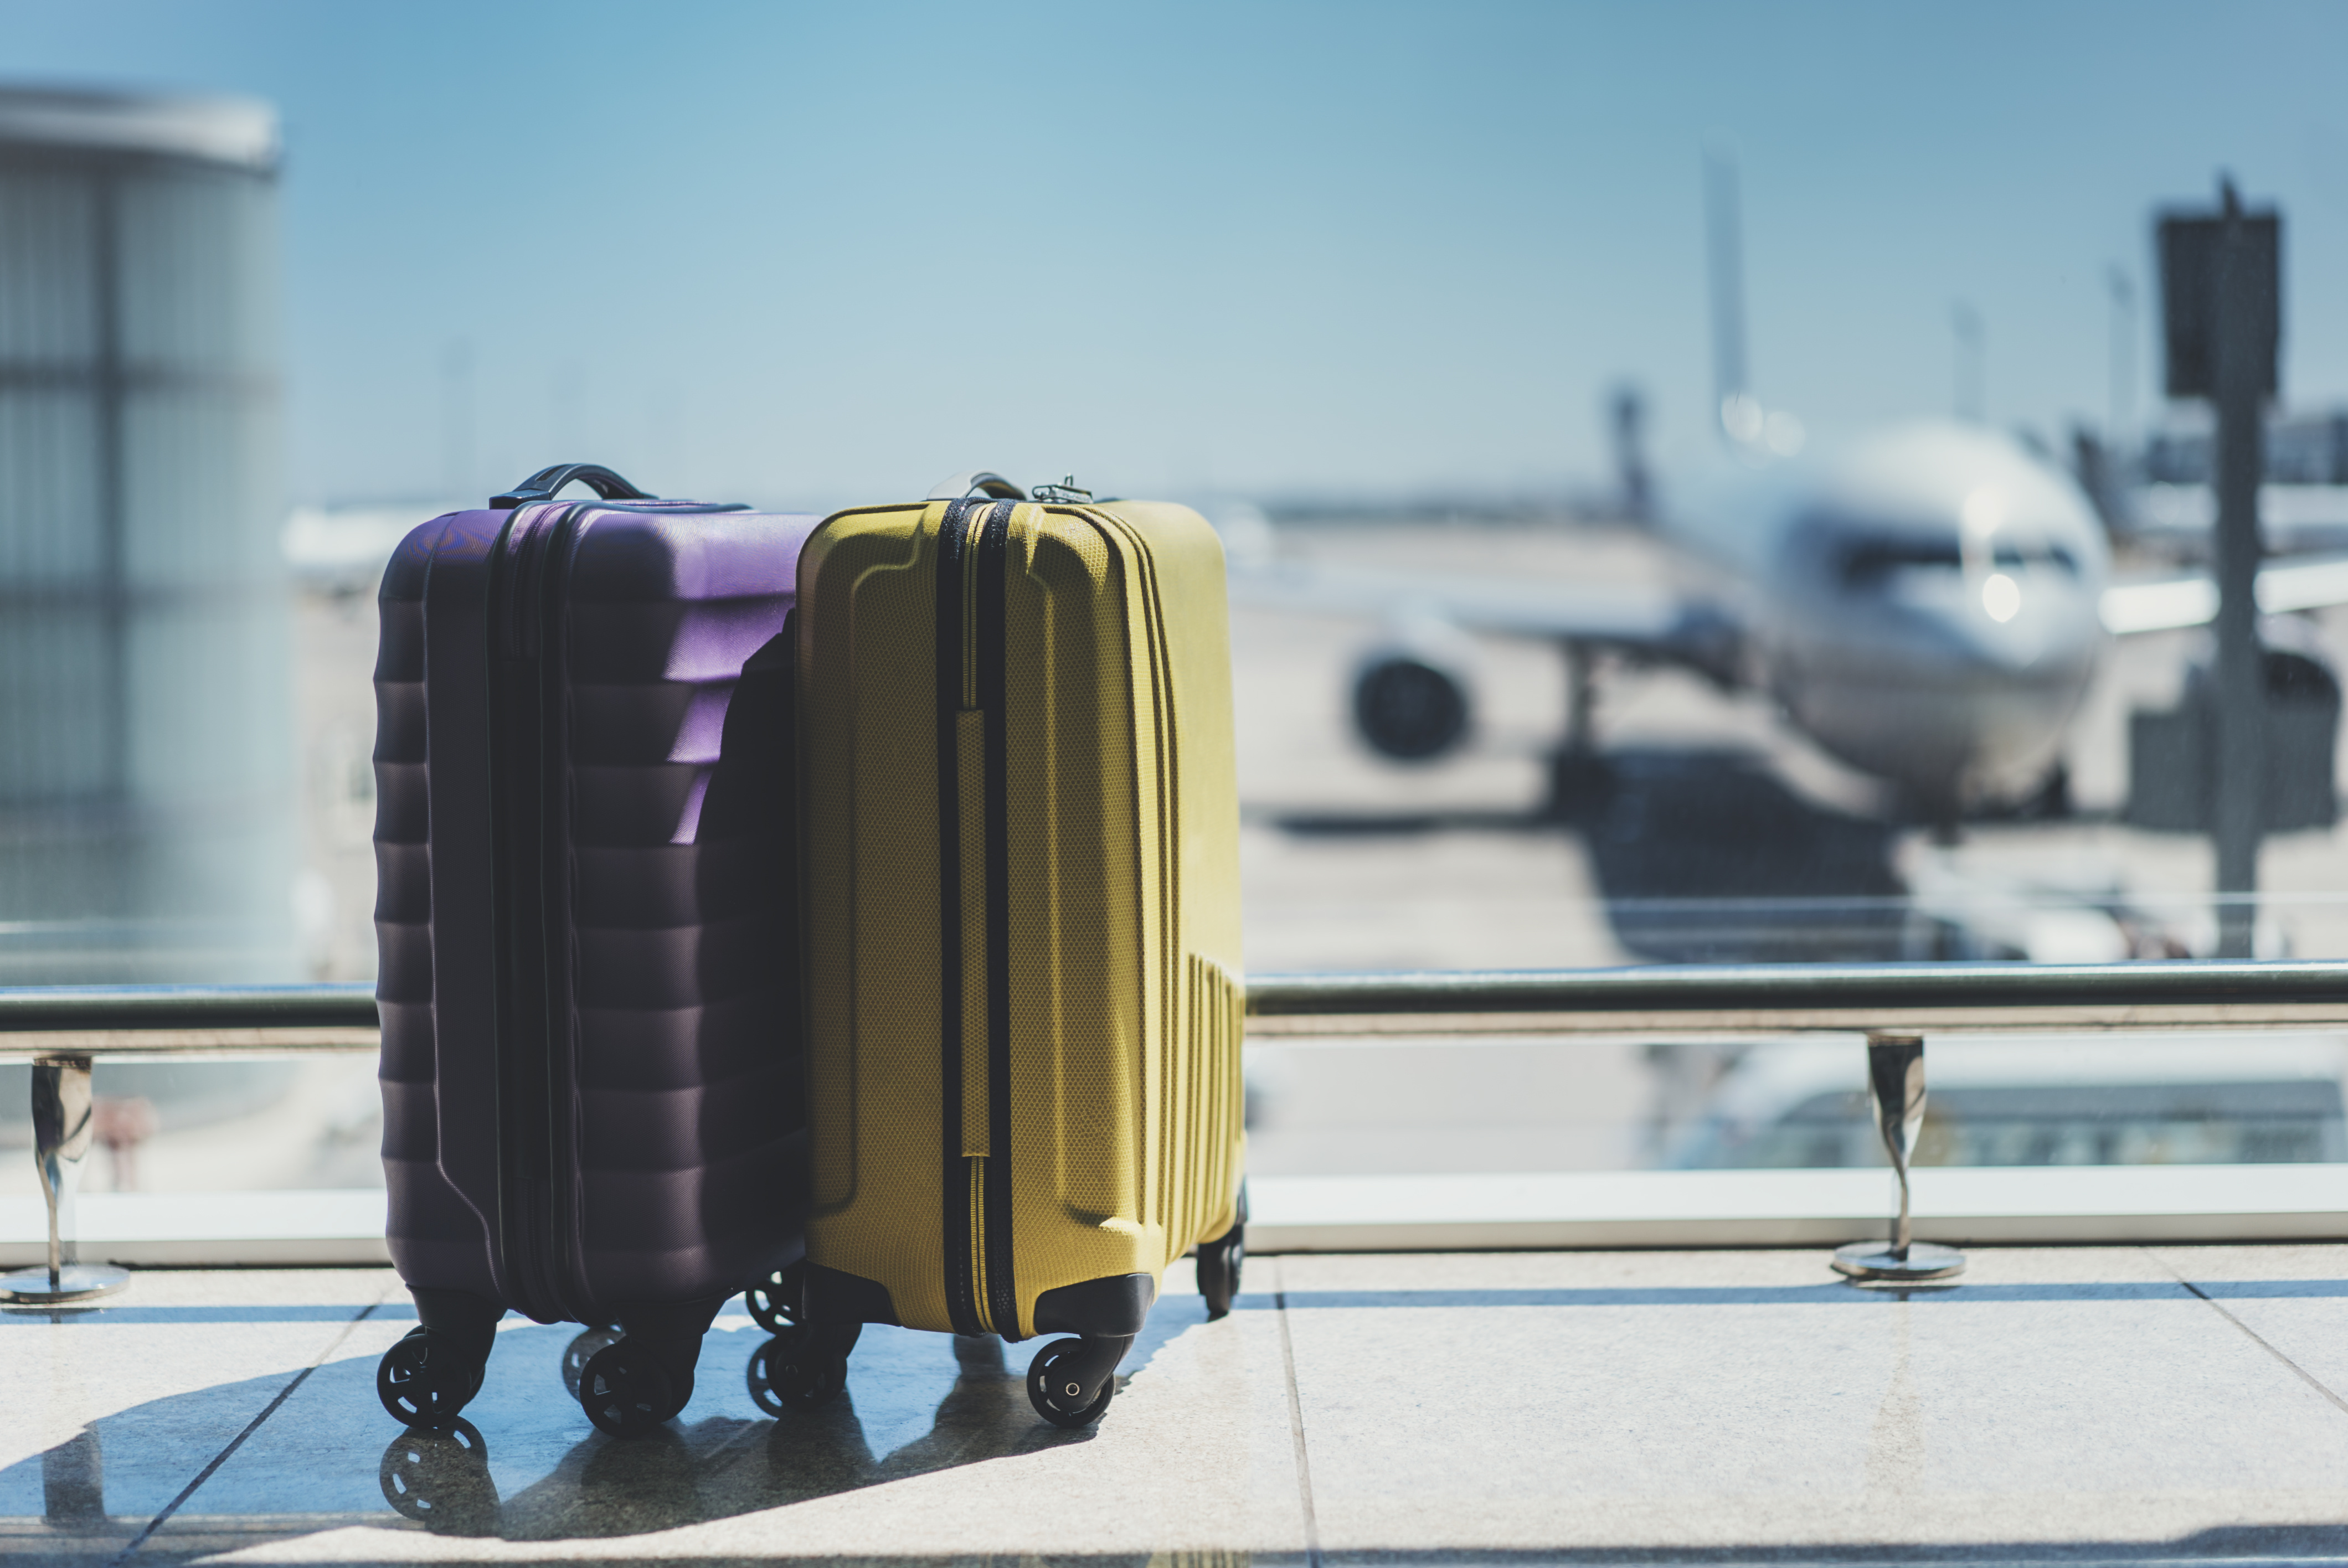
column 811, row 254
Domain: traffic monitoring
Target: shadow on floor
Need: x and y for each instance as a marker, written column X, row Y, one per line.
column 2265, row 1546
column 716, row 1468
column 563, row 1480
column 1705, row 856
column 1702, row 857
column 1407, row 823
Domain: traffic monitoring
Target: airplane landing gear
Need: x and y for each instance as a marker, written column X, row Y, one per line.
column 1580, row 780
column 1580, row 784
column 2051, row 801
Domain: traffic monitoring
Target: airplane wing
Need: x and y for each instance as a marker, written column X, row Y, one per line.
column 2173, row 604
column 1646, row 622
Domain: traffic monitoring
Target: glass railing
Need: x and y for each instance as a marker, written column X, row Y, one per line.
column 1383, row 1107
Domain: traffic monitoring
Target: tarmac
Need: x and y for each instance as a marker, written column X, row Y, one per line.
column 2109, row 1404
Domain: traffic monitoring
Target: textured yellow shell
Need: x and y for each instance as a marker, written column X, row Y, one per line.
column 1123, row 828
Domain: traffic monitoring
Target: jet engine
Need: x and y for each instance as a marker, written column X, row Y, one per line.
column 1414, row 693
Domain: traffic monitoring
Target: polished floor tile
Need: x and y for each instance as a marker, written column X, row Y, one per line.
column 2292, row 1299
column 2070, row 1398
column 934, row 1449
column 113, row 1411
column 2085, row 1404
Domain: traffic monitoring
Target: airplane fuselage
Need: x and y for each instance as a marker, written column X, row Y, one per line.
column 1924, row 605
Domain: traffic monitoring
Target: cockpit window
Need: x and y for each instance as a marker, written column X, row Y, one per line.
column 2009, row 554
column 1866, row 563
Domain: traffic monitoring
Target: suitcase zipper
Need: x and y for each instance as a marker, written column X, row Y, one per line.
column 537, row 1241
column 956, row 696
column 974, row 919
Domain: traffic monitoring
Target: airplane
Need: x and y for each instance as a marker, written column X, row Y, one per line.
column 1927, row 604
column 1858, row 593
column 1928, row 607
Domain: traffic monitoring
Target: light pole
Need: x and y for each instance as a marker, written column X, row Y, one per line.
column 1971, row 398
column 2122, row 289
column 2221, row 280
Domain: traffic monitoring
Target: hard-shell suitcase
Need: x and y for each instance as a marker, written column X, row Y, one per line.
column 591, row 1078
column 1020, row 851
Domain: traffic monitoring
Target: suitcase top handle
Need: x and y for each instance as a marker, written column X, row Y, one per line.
column 544, row 485
column 977, row 482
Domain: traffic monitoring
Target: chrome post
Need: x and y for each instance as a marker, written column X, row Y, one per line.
column 1895, row 1074
column 62, row 1134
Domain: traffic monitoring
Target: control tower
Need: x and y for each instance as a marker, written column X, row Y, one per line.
column 147, row 821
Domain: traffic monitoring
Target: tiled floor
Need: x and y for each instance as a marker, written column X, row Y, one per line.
column 2079, row 1404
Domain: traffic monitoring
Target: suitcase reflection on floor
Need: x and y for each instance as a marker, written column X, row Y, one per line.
column 718, row 1466
column 525, row 1464
column 684, row 1473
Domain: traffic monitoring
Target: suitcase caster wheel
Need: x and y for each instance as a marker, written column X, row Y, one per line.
column 785, row 1372
column 424, row 1380
column 1220, row 1262
column 581, row 1350
column 774, row 1302
column 625, row 1392
column 441, row 1479
column 1056, row 1386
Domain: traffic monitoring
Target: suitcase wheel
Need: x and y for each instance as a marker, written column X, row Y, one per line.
column 774, row 1302
column 581, row 1350
column 793, row 1371
column 1220, row 1262
column 425, row 1380
column 627, row 1392
column 1071, row 1381
column 442, row 1479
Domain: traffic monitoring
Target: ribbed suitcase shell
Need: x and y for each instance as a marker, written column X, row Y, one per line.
column 1124, row 998
column 677, row 1073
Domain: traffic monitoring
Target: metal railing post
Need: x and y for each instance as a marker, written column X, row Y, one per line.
column 62, row 1134
column 1895, row 1078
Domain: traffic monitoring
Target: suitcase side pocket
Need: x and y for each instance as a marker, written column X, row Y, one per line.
column 1082, row 880
column 870, row 867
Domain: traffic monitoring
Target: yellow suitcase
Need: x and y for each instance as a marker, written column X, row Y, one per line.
column 1019, row 824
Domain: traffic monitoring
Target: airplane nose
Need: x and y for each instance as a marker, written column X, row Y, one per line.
column 2014, row 623
column 2009, row 623
column 2001, row 597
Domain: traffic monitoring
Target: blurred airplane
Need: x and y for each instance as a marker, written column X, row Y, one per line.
column 1929, row 607
column 1927, row 604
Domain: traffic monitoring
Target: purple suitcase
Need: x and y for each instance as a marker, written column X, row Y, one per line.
column 592, row 1075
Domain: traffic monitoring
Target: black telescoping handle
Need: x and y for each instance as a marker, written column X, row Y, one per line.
column 977, row 482
column 544, row 485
